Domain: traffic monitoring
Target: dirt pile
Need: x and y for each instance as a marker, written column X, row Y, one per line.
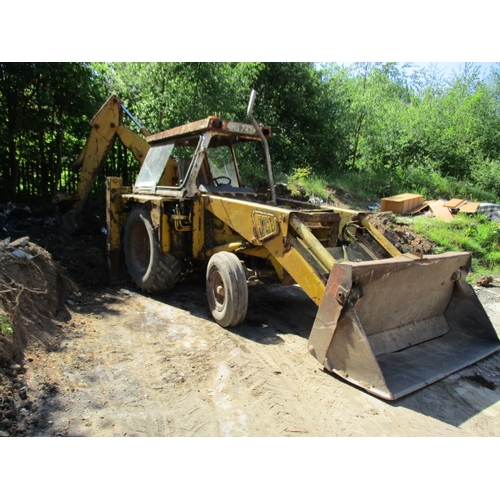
column 399, row 234
column 345, row 198
column 39, row 268
column 33, row 289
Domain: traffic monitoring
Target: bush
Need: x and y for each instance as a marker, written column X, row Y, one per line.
column 486, row 175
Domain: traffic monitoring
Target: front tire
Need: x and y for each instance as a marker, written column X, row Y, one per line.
column 151, row 270
column 227, row 291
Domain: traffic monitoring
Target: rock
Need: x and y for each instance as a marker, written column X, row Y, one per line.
column 20, row 242
column 22, row 255
column 484, row 281
column 22, row 393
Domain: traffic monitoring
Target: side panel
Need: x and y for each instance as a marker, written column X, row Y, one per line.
column 268, row 226
column 198, row 224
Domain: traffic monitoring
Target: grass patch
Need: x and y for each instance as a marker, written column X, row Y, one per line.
column 374, row 185
column 469, row 233
column 434, row 186
column 302, row 182
column 5, row 326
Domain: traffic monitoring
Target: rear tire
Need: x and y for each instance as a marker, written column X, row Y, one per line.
column 151, row 270
column 227, row 291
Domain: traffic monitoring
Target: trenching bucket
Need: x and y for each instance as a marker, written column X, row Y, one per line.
column 396, row 325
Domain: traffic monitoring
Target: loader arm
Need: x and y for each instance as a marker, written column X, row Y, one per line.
column 288, row 236
column 105, row 127
column 269, row 227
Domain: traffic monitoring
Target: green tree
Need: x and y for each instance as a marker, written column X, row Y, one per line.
column 371, row 98
column 45, row 109
column 451, row 132
column 291, row 99
column 295, row 102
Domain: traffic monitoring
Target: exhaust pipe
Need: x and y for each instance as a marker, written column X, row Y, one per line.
column 270, row 175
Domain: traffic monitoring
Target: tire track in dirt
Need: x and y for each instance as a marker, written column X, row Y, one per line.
column 137, row 366
column 276, row 381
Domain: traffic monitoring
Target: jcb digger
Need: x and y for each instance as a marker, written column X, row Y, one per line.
column 388, row 322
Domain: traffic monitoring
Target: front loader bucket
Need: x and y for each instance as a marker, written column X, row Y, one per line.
column 395, row 325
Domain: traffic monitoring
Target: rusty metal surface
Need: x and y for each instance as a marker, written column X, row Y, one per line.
column 335, row 298
column 285, row 250
column 323, row 217
column 102, row 136
column 244, row 131
column 405, row 290
column 405, row 324
column 318, row 250
column 105, row 127
column 135, row 143
column 411, row 369
column 266, row 225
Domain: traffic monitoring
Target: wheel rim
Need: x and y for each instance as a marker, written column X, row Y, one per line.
column 140, row 247
column 219, row 292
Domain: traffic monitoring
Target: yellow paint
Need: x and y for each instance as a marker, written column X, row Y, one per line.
column 164, row 234
column 239, row 214
column 198, row 228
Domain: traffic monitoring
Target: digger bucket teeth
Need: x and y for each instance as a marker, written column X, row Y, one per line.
column 396, row 325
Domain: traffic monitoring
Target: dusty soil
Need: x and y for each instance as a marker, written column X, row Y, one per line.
column 109, row 361
column 399, row 234
column 140, row 366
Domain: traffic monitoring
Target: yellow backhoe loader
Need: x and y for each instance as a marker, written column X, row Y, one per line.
column 388, row 322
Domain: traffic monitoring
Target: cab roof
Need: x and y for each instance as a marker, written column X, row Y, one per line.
column 244, row 131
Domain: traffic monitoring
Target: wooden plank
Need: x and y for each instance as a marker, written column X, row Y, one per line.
column 470, row 207
column 440, row 211
column 454, row 203
column 421, row 207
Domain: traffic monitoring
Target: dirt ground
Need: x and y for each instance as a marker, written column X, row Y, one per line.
column 109, row 361
column 131, row 365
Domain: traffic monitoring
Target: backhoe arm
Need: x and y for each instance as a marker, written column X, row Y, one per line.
column 106, row 125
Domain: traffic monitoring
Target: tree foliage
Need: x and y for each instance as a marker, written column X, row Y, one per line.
column 388, row 125
column 45, row 109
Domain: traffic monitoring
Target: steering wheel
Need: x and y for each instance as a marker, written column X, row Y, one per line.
column 216, row 180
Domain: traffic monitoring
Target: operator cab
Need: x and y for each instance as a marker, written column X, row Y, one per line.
column 191, row 163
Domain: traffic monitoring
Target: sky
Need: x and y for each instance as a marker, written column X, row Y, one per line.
column 449, row 68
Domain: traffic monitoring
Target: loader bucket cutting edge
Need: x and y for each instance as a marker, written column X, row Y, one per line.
column 396, row 325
